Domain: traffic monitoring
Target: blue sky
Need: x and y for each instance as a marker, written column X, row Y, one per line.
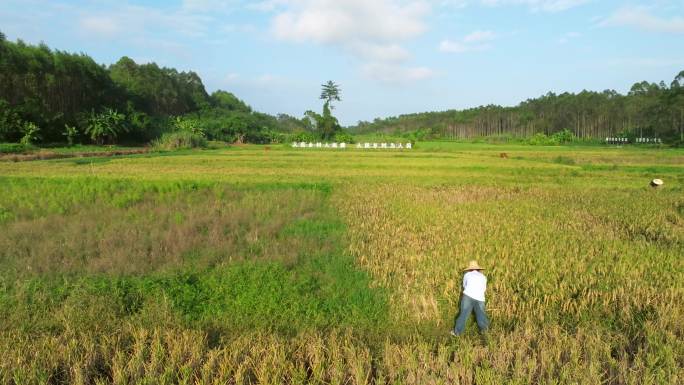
column 389, row 56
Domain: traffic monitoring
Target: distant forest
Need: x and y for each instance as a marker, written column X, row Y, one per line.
column 51, row 96
column 648, row 110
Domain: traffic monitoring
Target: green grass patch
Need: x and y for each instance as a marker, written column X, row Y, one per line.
column 264, row 257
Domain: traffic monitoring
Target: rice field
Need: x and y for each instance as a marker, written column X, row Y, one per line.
column 272, row 265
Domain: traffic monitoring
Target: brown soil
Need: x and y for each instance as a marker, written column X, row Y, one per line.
column 46, row 154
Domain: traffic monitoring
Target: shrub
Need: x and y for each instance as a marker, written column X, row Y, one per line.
column 189, row 125
column 105, row 126
column 10, row 123
column 278, row 137
column 560, row 137
column 260, row 137
column 540, row 139
column 303, row 137
column 343, row 137
column 418, row 135
column 179, row 140
column 70, row 132
column 564, row 136
column 31, row 133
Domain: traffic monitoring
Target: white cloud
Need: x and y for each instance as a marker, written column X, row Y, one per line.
column 642, row 18
column 474, row 41
column 372, row 31
column 334, row 21
column 453, row 46
column 534, row 5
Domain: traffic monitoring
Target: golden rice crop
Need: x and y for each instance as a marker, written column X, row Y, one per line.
column 585, row 266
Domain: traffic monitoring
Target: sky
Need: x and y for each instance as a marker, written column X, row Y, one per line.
column 389, row 57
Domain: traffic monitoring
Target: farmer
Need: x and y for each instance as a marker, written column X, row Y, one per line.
column 472, row 299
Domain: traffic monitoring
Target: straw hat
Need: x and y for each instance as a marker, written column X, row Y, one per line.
column 472, row 265
column 656, row 182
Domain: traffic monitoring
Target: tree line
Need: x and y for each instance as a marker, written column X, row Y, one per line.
column 647, row 110
column 52, row 96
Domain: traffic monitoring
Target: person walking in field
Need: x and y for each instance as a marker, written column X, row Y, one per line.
column 472, row 299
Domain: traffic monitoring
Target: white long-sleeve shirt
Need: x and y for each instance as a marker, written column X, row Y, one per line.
column 475, row 285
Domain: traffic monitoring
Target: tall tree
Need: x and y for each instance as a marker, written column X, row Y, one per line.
column 326, row 124
column 330, row 92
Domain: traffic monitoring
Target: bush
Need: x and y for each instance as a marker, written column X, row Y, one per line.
column 303, row 137
column 258, row 137
column 419, row 135
column 564, row 136
column 179, row 140
column 560, row 137
column 31, row 133
column 540, row 139
column 105, row 126
column 344, row 137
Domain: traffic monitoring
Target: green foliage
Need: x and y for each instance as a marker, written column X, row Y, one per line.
column 561, row 137
column 290, row 124
column 292, row 276
column 188, row 125
column 31, row 133
column 50, row 88
column 70, row 132
column 325, row 125
column 330, row 92
column 649, row 109
column 11, row 124
column 343, row 137
column 14, row 148
column 180, row 140
column 106, row 126
column 54, row 89
column 303, row 137
column 159, row 91
column 225, row 100
column 418, row 135
column 564, row 136
column 540, row 139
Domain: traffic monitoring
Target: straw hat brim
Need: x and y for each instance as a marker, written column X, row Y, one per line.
column 473, row 266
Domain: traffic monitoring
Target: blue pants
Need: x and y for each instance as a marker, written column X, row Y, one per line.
column 468, row 305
